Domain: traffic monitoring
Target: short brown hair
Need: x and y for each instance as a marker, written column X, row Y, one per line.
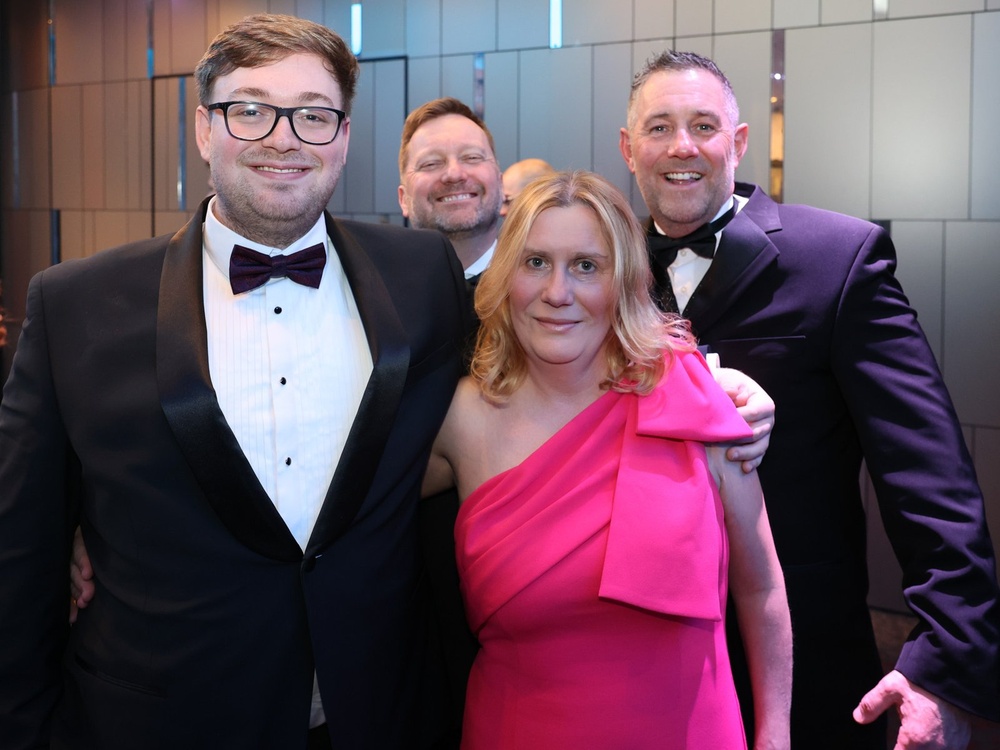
column 640, row 336
column 267, row 38
column 431, row 111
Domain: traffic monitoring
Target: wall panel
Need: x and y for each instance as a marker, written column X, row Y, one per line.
column 828, row 118
column 742, row 15
column 972, row 308
column 653, row 19
column 67, row 147
column 612, row 77
column 468, row 27
column 921, row 105
column 985, row 149
column 500, row 102
column 555, row 107
column 522, row 24
column 920, row 263
column 791, row 13
column 596, row 22
column 79, row 43
column 746, row 61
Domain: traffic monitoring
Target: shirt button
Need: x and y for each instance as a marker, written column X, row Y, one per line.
column 283, row 381
column 288, row 462
column 277, row 311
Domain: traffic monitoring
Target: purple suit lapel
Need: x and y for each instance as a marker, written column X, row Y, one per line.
column 744, row 252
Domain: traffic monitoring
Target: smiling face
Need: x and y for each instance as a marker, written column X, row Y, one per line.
column 451, row 181
column 683, row 148
column 273, row 190
column 561, row 293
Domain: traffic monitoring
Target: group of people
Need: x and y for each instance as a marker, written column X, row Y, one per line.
column 243, row 423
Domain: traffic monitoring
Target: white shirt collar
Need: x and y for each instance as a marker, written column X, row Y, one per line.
column 480, row 265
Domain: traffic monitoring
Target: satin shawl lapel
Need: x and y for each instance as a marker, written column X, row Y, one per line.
column 745, row 250
column 379, row 403
column 192, row 409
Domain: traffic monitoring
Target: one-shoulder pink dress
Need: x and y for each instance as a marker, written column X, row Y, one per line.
column 594, row 575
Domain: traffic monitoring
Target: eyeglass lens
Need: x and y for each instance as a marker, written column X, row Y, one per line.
column 252, row 122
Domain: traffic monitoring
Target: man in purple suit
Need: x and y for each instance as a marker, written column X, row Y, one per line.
column 806, row 303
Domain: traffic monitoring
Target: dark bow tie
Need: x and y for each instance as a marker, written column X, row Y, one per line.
column 249, row 269
column 701, row 241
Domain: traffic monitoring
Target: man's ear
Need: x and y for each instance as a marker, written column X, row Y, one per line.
column 625, row 146
column 741, row 138
column 203, row 130
column 401, row 194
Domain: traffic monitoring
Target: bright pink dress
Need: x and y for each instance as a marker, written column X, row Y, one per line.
column 594, row 575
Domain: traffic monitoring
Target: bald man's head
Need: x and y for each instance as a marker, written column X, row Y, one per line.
column 518, row 175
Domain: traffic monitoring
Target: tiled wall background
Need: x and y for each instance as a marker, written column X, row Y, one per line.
column 890, row 114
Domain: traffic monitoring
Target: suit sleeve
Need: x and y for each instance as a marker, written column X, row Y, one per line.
column 928, row 495
column 37, row 517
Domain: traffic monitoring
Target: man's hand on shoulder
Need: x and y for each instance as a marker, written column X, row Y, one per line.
column 926, row 721
column 756, row 407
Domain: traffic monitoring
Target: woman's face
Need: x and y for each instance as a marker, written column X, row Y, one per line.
column 561, row 296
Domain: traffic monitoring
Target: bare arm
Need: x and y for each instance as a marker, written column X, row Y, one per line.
column 758, row 589
column 756, row 407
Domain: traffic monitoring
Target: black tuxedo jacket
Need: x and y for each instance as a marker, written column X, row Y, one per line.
column 806, row 302
column 209, row 620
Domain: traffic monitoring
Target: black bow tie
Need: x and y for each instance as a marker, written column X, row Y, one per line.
column 701, row 241
column 249, row 269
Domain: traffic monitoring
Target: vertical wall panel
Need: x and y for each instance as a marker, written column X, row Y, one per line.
column 92, row 123
column 596, row 21
column 67, row 147
column 920, row 263
column 920, row 64
column 79, row 35
column 742, row 15
column 27, row 59
column 27, row 123
column 522, row 24
column 791, row 13
column 383, row 28
column 612, row 76
column 908, row 8
column 390, row 85
column 985, row 155
column 458, row 77
column 555, row 108
column 423, row 81
column 423, row 27
column 501, row 104
column 693, row 17
column 189, row 35
column 337, row 16
column 230, row 11
column 845, row 11
column 357, row 183
column 828, row 118
column 746, row 61
column 972, row 338
column 468, row 27
column 653, row 19
column 138, row 145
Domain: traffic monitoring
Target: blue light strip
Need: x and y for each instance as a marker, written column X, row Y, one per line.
column 356, row 28
column 555, row 24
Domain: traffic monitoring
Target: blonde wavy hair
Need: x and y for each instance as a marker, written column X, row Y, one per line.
column 642, row 338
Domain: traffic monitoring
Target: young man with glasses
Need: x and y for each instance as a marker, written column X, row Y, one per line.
column 238, row 417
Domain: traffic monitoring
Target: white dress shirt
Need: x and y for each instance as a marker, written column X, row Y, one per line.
column 289, row 365
column 689, row 268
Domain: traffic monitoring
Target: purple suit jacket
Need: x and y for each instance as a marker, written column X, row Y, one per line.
column 806, row 303
column 209, row 619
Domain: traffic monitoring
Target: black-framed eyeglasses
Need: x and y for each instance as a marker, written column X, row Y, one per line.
column 253, row 121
